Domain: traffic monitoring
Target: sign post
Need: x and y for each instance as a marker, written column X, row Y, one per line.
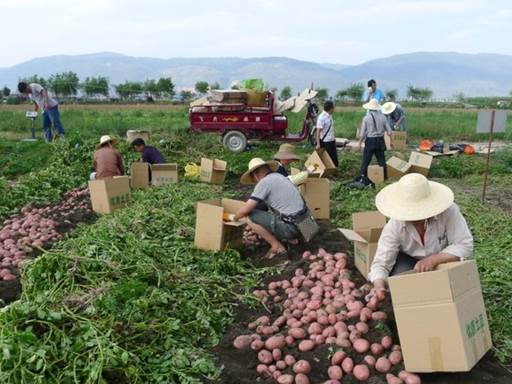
column 490, row 121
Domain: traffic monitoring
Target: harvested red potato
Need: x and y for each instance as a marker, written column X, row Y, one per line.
column 383, row 365
column 387, row 342
column 302, row 366
column 301, row 378
column 306, row 345
column 335, row 372
column 274, row 342
column 361, row 345
column 395, row 357
column 409, row 378
column 370, row 360
column 347, row 365
column 361, row 372
column 265, row 356
column 338, row 357
column 242, row 342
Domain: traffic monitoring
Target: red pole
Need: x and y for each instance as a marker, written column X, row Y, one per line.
column 486, row 171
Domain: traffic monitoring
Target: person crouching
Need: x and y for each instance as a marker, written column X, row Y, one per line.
column 283, row 199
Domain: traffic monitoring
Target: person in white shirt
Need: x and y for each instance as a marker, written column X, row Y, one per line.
column 426, row 229
column 325, row 135
column 45, row 102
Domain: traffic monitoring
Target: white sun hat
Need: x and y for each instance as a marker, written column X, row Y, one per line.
column 414, row 198
column 372, row 105
column 105, row 139
column 254, row 164
column 388, row 107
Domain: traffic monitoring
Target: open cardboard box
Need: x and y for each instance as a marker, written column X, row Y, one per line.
column 214, row 234
column 367, row 227
column 376, row 174
column 162, row 174
column 323, row 162
column 397, row 141
column 420, row 163
column 137, row 134
column 213, row 171
column 441, row 318
column 397, row 167
column 139, row 175
column 109, row 194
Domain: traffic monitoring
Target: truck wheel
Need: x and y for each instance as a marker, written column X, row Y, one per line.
column 235, row 141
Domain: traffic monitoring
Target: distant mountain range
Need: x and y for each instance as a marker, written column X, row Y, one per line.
column 445, row 73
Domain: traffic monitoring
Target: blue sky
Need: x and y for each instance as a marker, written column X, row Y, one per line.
column 342, row 31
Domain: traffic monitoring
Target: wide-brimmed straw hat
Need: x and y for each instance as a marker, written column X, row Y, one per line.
column 388, row 107
column 105, row 139
column 372, row 105
column 286, row 152
column 414, row 198
column 254, row 164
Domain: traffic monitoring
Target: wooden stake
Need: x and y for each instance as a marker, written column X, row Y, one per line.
column 486, row 171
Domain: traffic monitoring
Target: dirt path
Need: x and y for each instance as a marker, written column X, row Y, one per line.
column 239, row 367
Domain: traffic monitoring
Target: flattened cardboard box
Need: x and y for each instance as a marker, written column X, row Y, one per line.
column 376, row 174
column 397, row 167
column 162, row 174
column 367, row 227
column 420, row 163
column 139, row 175
column 397, row 141
column 323, row 163
column 317, row 194
column 441, row 318
column 213, row 171
column 109, row 194
column 214, row 234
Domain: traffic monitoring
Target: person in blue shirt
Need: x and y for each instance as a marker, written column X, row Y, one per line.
column 373, row 92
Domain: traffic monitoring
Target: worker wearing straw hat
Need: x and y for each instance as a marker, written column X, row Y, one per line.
column 374, row 127
column 285, row 156
column 426, row 229
column 107, row 161
column 395, row 114
column 283, row 200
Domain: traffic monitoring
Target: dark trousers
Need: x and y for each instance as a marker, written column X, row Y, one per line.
column 330, row 148
column 374, row 146
column 403, row 263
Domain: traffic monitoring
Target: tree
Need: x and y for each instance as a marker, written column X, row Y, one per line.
column 129, row 89
column 201, row 87
column 35, row 79
column 286, row 93
column 150, row 87
column 419, row 94
column 341, row 95
column 460, row 97
column 165, row 87
column 214, row 86
column 94, row 86
column 185, row 95
column 391, row 94
column 355, row 92
column 323, row 93
column 64, row 84
column 5, row 91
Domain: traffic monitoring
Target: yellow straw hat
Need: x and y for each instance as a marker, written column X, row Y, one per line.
column 254, row 164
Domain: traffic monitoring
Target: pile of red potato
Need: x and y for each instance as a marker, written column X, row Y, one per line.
column 35, row 228
column 250, row 238
column 323, row 306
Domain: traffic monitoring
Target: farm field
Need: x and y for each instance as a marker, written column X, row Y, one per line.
column 126, row 298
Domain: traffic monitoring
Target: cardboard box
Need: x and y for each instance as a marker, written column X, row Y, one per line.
column 162, row 174
column 367, row 227
column 398, row 139
column 376, row 174
column 420, row 163
column 324, row 163
column 397, row 167
column 136, row 134
column 317, row 194
column 212, row 233
column 441, row 318
column 109, row 194
column 139, row 175
column 213, row 171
